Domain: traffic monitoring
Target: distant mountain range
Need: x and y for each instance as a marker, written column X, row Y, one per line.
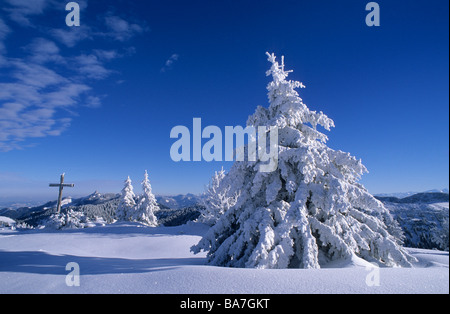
column 423, row 198
column 179, row 201
column 172, row 202
column 93, row 199
column 406, row 194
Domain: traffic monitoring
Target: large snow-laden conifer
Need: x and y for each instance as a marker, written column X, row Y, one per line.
column 147, row 206
column 309, row 211
column 127, row 204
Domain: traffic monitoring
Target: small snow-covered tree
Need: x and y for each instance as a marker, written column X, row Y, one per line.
column 70, row 219
column 127, row 204
column 147, row 206
column 217, row 199
column 311, row 209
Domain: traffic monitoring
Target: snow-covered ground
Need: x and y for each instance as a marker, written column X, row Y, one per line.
column 130, row 258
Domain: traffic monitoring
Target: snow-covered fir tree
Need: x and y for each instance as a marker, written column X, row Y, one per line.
column 127, row 204
column 69, row 219
column 217, row 199
column 147, row 206
column 309, row 211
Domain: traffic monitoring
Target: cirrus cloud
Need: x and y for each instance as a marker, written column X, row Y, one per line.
column 169, row 63
column 41, row 88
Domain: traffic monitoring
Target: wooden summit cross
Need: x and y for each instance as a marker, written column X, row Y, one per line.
column 61, row 185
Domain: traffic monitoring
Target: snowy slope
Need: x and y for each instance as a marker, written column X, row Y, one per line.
column 129, row 258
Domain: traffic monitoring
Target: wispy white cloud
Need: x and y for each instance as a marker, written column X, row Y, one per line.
column 120, row 29
column 4, row 31
column 169, row 63
column 33, row 110
column 107, row 55
column 70, row 37
column 19, row 93
column 31, row 74
column 33, row 101
column 42, row 51
column 23, row 11
column 67, row 95
column 93, row 102
column 91, row 67
column 44, row 87
column 110, row 26
column 19, row 122
column 20, row 11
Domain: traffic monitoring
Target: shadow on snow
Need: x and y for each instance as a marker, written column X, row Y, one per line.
column 44, row 263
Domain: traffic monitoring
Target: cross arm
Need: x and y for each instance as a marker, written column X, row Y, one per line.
column 57, row 185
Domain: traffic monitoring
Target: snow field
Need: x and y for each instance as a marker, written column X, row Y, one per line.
column 131, row 258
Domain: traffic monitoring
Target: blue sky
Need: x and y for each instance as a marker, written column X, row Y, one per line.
column 98, row 101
